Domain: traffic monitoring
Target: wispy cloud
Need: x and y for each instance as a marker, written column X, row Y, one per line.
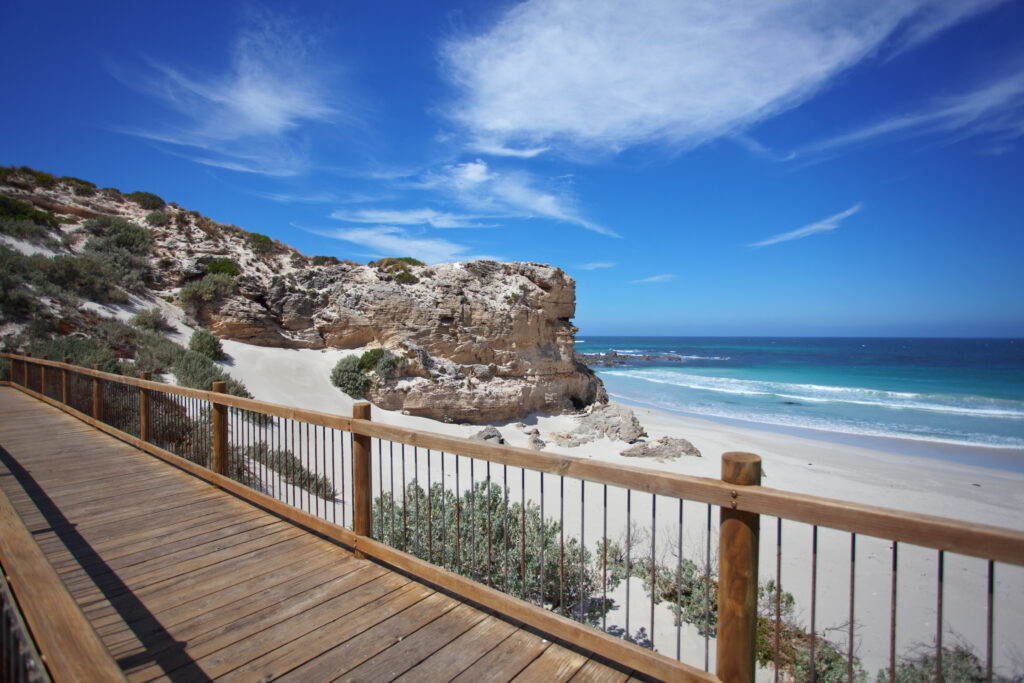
column 507, row 193
column 597, row 265
column 602, row 75
column 247, row 118
column 656, row 278
column 389, row 240
column 435, row 219
column 995, row 110
column 825, row 225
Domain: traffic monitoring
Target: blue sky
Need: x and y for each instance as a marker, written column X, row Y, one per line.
column 792, row 167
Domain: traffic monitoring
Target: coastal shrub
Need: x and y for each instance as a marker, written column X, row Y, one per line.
column 489, row 519
column 29, row 231
column 205, row 342
column 193, row 369
column 398, row 262
column 19, row 210
column 81, row 351
column 113, row 193
column 223, row 265
column 290, row 468
column 150, row 319
column 80, row 188
column 388, row 365
column 369, row 359
column 959, row 663
column 155, row 353
column 88, row 276
column 348, row 377
column 122, row 248
column 213, row 287
column 158, row 218
column 147, row 200
column 325, row 260
column 404, row 277
column 40, row 178
column 121, row 233
column 260, row 243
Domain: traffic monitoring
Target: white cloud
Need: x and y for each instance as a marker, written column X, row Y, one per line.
column 605, row 75
column 243, row 119
column 996, row 110
column 435, row 219
column 513, row 194
column 825, row 225
column 656, row 278
column 597, row 265
column 387, row 240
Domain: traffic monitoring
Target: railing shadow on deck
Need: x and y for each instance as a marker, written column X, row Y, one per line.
column 496, row 540
column 159, row 646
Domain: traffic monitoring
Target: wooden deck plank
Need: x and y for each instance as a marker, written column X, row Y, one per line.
column 555, row 664
column 413, row 649
column 274, row 663
column 369, row 642
column 596, row 672
column 460, row 654
column 506, row 660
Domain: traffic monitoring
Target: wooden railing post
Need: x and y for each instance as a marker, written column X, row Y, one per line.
column 144, row 419
column 220, row 432
column 97, row 395
column 362, row 487
column 42, row 376
column 737, row 578
column 25, row 370
column 65, row 382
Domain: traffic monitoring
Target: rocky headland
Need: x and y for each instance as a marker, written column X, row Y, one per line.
column 482, row 341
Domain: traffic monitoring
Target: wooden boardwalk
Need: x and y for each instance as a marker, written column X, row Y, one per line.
column 185, row 582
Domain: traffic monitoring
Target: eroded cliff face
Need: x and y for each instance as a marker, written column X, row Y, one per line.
column 485, row 341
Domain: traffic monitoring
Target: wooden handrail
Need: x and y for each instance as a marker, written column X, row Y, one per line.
column 976, row 540
column 70, row 647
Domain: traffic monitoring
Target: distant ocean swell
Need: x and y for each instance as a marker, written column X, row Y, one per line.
column 964, row 392
column 811, row 393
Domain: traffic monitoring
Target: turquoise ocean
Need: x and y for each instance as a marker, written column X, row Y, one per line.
column 960, row 399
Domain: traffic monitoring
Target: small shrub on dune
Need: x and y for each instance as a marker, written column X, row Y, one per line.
column 147, row 200
column 223, row 265
column 150, row 319
column 213, row 287
column 347, row 376
column 206, row 343
column 158, row 218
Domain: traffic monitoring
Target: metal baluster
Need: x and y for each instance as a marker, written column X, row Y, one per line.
column 892, row 618
column 814, row 597
column 938, row 619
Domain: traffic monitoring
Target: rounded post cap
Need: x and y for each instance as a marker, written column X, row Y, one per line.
column 741, row 468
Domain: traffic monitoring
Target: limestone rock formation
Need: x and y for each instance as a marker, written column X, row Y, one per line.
column 665, row 448
column 484, row 341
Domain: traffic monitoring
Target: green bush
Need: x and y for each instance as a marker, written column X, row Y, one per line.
column 147, row 200
column 83, row 352
column 88, row 276
column 195, row 370
column 389, row 365
column 223, row 265
column 29, row 231
column 959, row 663
column 150, row 319
column 260, row 243
column 19, row 210
column 213, row 287
column 40, row 178
column 404, row 277
column 121, row 233
column 158, row 218
column 325, row 260
column 291, row 469
column 397, row 262
column 206, row 343
column 369, row 359
column 347, row 376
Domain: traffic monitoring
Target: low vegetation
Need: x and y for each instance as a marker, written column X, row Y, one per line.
column 206, row 343
column 147, row 200
column 158, row 218
column 225, row 266
column 151, row 319
column 212, row 287
column 351, row 373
